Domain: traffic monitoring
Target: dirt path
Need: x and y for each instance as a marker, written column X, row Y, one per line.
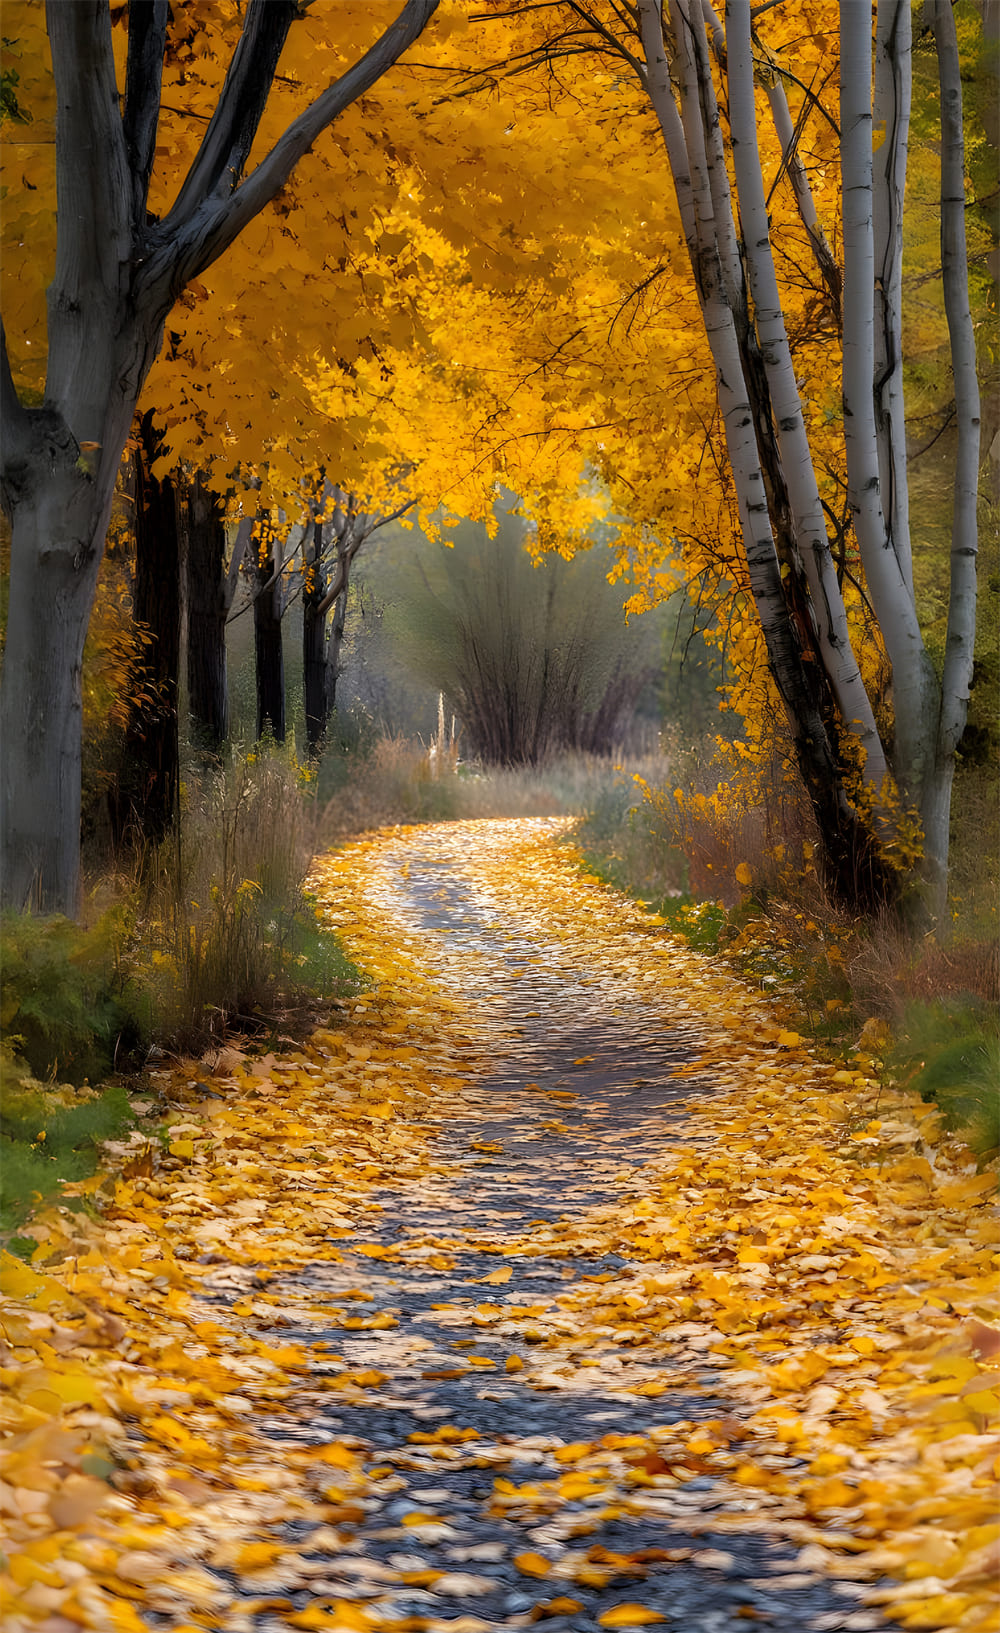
column 572, row 1495
column 555, row 1282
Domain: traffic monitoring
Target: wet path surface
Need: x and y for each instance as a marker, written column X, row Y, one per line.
column 524, row 1473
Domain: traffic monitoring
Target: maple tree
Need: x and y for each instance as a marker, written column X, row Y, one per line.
column 118, row 274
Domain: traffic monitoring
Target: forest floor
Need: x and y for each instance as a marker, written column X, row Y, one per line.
column 554, row 1282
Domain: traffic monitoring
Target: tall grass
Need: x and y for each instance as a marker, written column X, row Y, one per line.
column 229, row 933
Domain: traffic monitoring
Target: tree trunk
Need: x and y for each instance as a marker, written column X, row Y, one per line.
column 960, row 640
column 207, row 610
column 47, row 617
column 333, row 664
column 59, row 500
column 914, row 684
column 314, row 675
column 147, row 801
column 269, row 659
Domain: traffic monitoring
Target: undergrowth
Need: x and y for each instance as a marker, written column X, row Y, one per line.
column 732, row 870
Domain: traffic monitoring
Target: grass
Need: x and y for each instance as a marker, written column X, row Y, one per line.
column 49, row 1134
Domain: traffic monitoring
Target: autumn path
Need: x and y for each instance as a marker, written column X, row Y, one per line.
column 477, row 1319
column 554, row 1280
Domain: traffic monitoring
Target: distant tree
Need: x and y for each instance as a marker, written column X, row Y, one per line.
column 533, row 657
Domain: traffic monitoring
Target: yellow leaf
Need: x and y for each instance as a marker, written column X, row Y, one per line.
column 514, row 1364
column 531, row 1564
column 182, row 1148
column 497, row 1277
column 629, row 1615
column 743, row 876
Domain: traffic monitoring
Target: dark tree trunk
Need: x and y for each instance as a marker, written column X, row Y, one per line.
column 207, row 609
column 269, row 657
column 147, row 792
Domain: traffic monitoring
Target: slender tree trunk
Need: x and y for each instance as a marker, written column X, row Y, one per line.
column 914, row 684
column 334, row 668
column 314, row 676
column 207, row 610
column 314, row 639
column 269, row 659
column 152, row 765
column 893, row 80
column 960, row 639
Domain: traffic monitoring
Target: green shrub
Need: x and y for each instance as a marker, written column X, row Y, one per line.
column 66, row 1002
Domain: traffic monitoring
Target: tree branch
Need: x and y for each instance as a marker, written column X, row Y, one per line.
column 204, row 231
column 15, row 421
column 93, row 201
column 147, row 35
column 225, row 147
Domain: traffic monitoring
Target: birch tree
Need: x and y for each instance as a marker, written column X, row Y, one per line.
column 710, row 85
column 118, row 273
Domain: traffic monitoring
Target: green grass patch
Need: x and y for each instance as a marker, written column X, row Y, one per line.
column 49, row 1135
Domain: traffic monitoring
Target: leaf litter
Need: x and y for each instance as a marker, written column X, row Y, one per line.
column 458, row 1317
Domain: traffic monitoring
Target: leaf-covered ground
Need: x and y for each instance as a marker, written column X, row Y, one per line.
column 555, row 1282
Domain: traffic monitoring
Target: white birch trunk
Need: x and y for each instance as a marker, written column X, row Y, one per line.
column 847, row 850
column 893, row 78
column 960, row 640
column 796, row 456
column 913, row 680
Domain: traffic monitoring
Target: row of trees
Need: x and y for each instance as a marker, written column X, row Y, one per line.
column 480, row 304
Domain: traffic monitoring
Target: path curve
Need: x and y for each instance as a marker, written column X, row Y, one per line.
column 528, row 1467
